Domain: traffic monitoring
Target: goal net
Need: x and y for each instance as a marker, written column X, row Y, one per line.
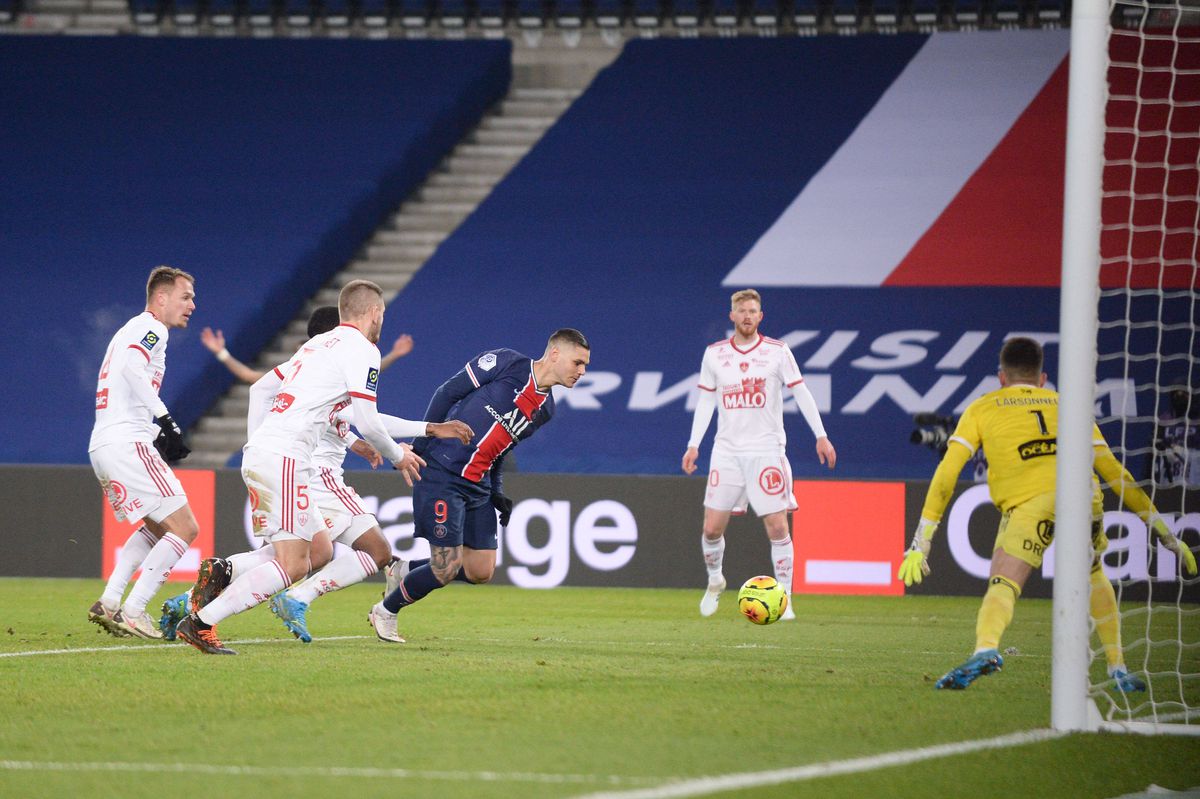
column 1147, row 360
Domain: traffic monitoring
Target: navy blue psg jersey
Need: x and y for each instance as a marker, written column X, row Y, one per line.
column 498, row 397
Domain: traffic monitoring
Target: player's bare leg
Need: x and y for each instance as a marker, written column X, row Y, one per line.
column 712, row 544
column 780, row 537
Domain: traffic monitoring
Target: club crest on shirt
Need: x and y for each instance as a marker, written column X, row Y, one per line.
column 486, row 362
column 149, row 340
column 372, row 379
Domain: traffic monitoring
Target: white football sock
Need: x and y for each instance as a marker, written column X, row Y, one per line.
column 781, row 557
column 243, row 562
column 155, row 570
column 252, row 588
column 340, row 572
column 714, row 557
column 133, row 552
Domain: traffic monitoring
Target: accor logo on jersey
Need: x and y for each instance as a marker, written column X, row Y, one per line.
column 751, row 393
column 282, row 402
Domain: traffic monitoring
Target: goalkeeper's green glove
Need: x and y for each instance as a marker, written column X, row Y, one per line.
column 1172, row 543
column 915, row 565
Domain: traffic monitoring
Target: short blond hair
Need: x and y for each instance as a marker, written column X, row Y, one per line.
column 164, row 277
column 742, row 296
column 357, row 297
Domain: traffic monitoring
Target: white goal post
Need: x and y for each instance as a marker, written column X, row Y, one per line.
column 1159, row 298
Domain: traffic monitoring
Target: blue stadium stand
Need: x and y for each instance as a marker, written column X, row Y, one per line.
column 766, row 16
column 185, row 13
column 806, row 16
column 531, row 14
column 375, row 13
column 846, row 19
column 298, row 13
column 885, row 16
column 926, row 15
column 569, row 14
column 145, row 12
column 9, row 10
column 968, row 14
column 1007, row 14
column 261, row 14
column 337, row 14
column 685, row 16
column 272, row 163
column 648, row 15
column 491, row 14
column 452, row 15
column 726, row 16
column 414, row 15
column 1053, row 13
column 222, row 14
column 609, row 14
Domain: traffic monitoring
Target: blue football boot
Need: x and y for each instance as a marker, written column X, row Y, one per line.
column 173, row 611
column 291, row 613
column 1126, row 683
column 978, row 665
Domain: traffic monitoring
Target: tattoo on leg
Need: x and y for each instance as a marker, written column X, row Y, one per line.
column 445, row 562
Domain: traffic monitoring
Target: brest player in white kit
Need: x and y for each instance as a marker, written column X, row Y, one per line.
column 331, row 372
column 339, row 505
column 743, row 378
column 132, row 439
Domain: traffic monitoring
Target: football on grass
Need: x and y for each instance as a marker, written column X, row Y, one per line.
column 762, row 600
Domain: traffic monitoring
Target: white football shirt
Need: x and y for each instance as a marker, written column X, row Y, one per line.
column 318, row 382
column 748, row 384
column 138, row 351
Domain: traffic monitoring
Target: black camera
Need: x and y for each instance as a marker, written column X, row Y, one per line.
column 933, row 431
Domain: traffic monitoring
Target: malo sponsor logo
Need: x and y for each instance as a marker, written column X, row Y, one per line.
column 751, row 393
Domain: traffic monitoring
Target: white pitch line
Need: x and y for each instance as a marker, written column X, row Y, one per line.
column 319, row 771
column 703, row 786
column 148, row 647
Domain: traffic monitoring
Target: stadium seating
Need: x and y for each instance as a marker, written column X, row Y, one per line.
column 8, row 10
column 260, row 166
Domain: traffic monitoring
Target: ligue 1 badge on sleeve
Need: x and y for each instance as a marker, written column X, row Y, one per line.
column 372, row 379
column 149, row 340
column 487, row 361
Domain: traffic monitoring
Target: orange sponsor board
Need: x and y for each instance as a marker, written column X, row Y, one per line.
column 200, row 487
column 848, row 537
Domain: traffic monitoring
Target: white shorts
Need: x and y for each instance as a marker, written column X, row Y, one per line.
column 137, row 482
column 763, row 481
column 345, row 520
column 281, row 508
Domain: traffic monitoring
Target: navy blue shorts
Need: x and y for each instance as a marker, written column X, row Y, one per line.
column 452, row 511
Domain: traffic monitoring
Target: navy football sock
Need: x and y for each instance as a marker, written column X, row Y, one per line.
column 460, row 577
column 415, row 586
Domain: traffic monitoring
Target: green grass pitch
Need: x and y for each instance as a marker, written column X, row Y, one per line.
column 572, row 692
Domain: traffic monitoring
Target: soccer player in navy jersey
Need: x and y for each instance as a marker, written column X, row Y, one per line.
column 504, row 397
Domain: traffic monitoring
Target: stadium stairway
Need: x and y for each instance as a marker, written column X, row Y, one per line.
column 399, row 248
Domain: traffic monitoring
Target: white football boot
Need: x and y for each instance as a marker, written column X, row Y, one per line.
column 712, row 595
column 384, row 624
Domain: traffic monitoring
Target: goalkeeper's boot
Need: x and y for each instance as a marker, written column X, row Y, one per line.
column 138, row 624
column 978, row 665
column 383, row 622
column 291, row 613
column 1125, row 682
column 173, row 611
column 394, row 574
column 788, row 613
column 213, row 578
column 202, row 636
column 104, row 616
column 712, row 596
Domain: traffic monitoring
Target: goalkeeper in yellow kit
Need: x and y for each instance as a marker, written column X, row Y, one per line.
column 1017, row 427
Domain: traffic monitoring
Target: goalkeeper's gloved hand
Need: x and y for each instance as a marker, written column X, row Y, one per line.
column 504, row 505
column 169, row 441
column 915, row 565
column 1176, row 546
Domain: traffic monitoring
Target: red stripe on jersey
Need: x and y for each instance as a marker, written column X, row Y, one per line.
column 338, row 491
column 362, row 396
column 154, row 467
column 751, row 349
column 705, row 388
column 289, row 498
column 795, row 382
column 494, row 442
column 530, row 399
column 471, row 374
column 278, row 373
column 142, row 351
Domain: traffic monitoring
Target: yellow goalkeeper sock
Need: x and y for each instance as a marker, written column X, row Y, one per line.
column 1107, row 617
column 996, row 612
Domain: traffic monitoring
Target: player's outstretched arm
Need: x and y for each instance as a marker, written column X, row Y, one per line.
column 215, row 343
column 401, row 347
